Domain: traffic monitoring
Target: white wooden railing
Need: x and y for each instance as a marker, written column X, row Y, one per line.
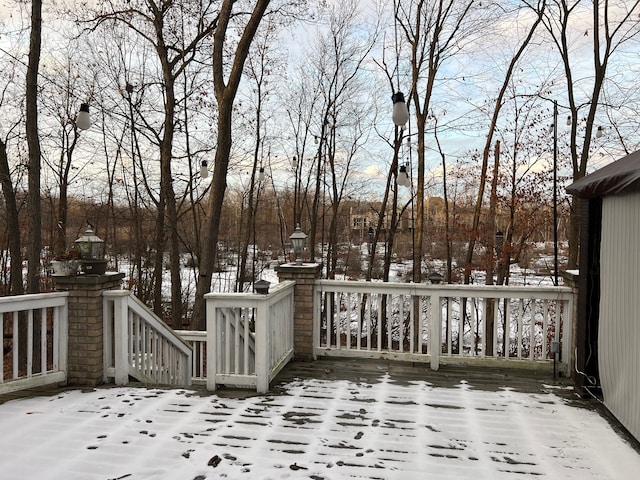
column 43, row 321
column 197, row 339
column 249, row 337
column 396, row 321
column 138, row 344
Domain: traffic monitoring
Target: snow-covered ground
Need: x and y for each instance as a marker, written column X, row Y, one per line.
column 318, row 429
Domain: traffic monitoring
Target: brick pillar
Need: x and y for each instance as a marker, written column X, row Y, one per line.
column 85, row 351
column 304, row 275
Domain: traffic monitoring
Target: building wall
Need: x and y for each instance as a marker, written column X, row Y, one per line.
column 619, row 328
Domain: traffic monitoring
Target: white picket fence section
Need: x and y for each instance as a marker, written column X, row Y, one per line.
column 138, row 344
column 373, row 319
column 47, row 315
column 249, row 337
column 197, row 340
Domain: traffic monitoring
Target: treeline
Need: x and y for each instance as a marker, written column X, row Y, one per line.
column 224, row 122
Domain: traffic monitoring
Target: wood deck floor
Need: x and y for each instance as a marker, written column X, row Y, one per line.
column 332, row 418
column 368, row 371
column 371, row 371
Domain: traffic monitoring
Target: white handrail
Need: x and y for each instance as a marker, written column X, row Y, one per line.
column 197, row 339
column 137, row 343
column 45, row 314
column 249, row 336
column 395, row 320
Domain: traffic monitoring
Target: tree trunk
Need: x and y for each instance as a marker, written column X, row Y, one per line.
column 33, row 195
column 474, row 233
column 15, row 275
column 491, row 253
column 225, row 95
column 33, row 142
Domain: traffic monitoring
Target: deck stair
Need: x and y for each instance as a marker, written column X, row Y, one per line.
column 139, row 345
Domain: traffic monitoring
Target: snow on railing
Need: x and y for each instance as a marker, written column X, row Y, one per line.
column 249, row 336
column 35, row 337
column 394, row 320
column 138, row 344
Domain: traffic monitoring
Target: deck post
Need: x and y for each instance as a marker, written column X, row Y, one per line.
column 571, row 279
column 212, row 343
column 85, row 362
column 305, row 276
column 435, row 331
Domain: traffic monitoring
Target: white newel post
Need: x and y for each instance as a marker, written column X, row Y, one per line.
column 435, row 331
column 212, row 335
column 263, row 347
column 120, row 340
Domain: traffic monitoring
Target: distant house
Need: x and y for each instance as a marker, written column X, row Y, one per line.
column 608, row 331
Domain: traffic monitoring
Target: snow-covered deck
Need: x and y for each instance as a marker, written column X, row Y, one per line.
column 329, row 419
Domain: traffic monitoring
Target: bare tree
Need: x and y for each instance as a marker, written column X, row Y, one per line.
column 11, row 176
column 34, row 242
column 337, row 122
column 612, row 24
column 435, row 31
column 261, row 70
column 12, row 219
column 61, row 138
column 225, row 92
column 156, row 23
column 498, row 104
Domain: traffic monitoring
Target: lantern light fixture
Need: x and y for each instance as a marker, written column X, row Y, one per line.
column 599, row 132
column 298, row 239
column 204, row 171
column 400, row 111
column 90, row 245
column 83, row 120
column 92, row 253
column 403, row 177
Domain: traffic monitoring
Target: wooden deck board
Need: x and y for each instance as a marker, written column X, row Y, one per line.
column 333, row 415
column 369, row 371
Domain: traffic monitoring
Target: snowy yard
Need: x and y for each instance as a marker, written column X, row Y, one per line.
column 317, row 429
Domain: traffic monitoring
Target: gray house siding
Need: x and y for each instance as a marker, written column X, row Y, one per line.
column 619, row 326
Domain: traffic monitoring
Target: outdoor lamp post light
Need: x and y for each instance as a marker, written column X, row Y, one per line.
column 83, row 121
column 204, row 171
column 599, row 132
column 261, row 174
column 400, row 111
column 92, row 252
column 403, row 176
column 298, row 239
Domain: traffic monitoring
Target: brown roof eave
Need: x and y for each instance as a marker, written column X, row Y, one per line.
column 619, row 177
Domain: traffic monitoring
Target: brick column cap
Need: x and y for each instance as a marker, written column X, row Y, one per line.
column 87, row 279
column 305, row 268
